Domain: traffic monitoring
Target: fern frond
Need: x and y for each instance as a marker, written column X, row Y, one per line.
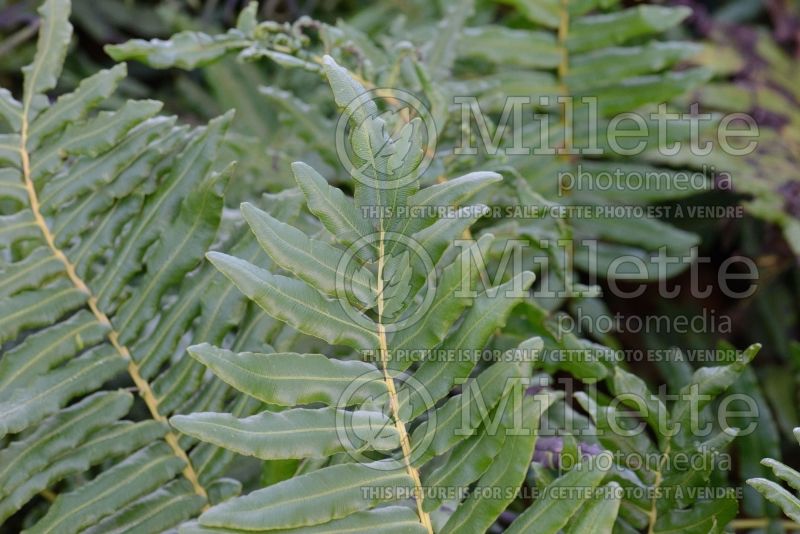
column 672, row 505
column 106, row 219
column 402, row 438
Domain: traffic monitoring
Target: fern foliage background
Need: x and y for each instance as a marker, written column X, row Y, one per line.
column 210, row 323
column 485, row 62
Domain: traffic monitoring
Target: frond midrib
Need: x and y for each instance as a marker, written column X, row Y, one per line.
column 394, row 405
column 143, row 386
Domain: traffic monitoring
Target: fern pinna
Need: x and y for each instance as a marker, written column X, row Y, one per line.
column 774, row 492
